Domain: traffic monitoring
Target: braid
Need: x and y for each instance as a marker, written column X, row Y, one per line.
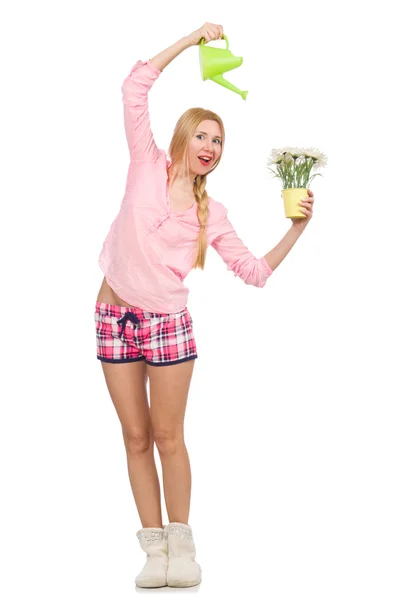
column 202, row 213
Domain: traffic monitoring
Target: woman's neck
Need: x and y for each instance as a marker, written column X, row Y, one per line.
column 181, row 183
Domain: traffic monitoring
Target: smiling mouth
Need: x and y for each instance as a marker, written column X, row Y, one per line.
column 204, row 161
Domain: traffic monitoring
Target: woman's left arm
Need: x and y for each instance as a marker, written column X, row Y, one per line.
column 279, row 252
column 239, row 259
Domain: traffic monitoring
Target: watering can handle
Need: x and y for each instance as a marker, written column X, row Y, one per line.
column 223, row 37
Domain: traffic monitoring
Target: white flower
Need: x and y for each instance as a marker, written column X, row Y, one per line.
column 275, row 157
column 294, row 165
column 320, row 159
column 286, row 154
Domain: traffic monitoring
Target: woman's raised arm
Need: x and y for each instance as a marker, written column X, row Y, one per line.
column 208, row 31
column 137, row 85
column 137, row 127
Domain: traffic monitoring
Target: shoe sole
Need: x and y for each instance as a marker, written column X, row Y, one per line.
column 150, row 585
column 183, row 583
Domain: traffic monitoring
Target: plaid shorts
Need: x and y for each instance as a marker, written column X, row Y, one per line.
column 126, row 334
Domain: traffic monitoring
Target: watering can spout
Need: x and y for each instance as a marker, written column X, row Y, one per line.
column 222, row 81
column 214, row 62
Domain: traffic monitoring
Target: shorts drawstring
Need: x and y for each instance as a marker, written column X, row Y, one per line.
column 128, row 316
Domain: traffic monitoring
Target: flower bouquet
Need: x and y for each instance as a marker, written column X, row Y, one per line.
column 294, row 166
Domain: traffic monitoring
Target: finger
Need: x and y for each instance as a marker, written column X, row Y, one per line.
column 214, row 32
column 206, row 31
column 306, row 212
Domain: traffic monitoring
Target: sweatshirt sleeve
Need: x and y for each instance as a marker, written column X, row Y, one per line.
column 138, row 131
column 252, row 270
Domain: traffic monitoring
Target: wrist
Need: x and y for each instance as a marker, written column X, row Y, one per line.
column 186, row 42
column 296, row 229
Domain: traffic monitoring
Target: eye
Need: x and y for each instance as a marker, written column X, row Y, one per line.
column 199, row 135
column 218, row 141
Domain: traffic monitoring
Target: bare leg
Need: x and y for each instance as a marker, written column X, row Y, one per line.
column 126, row 383
column 169, row 387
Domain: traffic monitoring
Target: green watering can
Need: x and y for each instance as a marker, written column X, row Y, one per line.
column 214, row 62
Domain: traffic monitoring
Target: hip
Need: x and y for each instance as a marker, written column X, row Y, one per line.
column 107, row 295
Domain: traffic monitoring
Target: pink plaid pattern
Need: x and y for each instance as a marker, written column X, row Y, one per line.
column 126, row 334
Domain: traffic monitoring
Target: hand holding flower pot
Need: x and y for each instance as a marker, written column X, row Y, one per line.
column 306, row 207
column 293, row 168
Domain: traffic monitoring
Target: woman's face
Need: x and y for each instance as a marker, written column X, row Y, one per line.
column 205, row 147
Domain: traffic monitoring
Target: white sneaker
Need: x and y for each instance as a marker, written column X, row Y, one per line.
column 153, row 541
column 183, row 570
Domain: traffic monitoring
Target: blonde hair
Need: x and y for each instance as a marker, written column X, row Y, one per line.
column 178, row 152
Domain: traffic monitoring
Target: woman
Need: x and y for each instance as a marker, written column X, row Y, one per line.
column 144, row 329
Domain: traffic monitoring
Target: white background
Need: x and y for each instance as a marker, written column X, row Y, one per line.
column 291, row 416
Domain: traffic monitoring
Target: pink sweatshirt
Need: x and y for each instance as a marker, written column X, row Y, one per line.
column 150, row 249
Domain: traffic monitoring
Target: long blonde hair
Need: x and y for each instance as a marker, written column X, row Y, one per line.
column 178, row 152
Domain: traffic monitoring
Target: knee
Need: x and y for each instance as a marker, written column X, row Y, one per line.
column 137, row 440
column 168, row 441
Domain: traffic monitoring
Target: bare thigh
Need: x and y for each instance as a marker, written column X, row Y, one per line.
column 127, row 385
column 169, row 388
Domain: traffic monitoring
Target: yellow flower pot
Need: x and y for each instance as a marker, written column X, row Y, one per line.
column 292, row 197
